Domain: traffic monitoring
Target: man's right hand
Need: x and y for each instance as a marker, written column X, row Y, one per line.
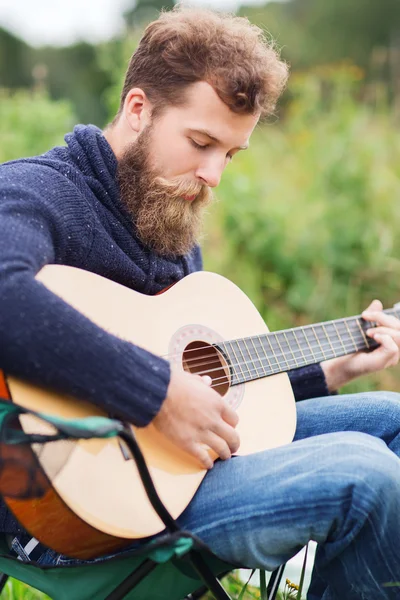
column 194, row 414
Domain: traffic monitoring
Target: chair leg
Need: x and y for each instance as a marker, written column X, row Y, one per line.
column 3, row 581
column 199, row 593
column 274, row 581
column 212, row 582
column 272, row 588
column 132, row 580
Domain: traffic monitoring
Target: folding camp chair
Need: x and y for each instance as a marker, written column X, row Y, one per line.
column 173, row 566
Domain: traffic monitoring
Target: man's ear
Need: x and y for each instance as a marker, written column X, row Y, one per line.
column 137, row 110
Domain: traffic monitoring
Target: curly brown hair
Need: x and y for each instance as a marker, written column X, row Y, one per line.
column 186, row 45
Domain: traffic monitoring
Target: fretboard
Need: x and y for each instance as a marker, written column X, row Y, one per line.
column 263, row 355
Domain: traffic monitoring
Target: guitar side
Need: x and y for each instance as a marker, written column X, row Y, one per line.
column 97, row 482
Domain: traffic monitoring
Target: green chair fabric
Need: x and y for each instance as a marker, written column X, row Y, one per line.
column 168, row 581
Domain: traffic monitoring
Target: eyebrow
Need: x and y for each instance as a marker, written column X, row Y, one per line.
column 216, row 140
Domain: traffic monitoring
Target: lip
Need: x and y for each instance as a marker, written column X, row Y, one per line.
column 189, row 198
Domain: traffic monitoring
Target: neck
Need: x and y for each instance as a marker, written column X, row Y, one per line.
column 260, row 356
column 119, row 135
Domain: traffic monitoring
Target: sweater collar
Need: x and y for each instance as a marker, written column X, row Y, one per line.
column 94, row 157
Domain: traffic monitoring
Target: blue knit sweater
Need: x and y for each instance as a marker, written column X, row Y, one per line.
column 64, row 207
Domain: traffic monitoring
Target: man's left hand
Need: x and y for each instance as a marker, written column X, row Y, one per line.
column 340, row 371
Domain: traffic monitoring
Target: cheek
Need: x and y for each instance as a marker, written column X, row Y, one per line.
column 176, row 159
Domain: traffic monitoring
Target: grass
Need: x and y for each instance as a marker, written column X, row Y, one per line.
column 15, row 590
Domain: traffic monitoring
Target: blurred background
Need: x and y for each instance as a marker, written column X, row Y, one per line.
column 307, row 220
column 308, row 217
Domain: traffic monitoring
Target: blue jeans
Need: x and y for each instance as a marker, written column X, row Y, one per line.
column 338, row 483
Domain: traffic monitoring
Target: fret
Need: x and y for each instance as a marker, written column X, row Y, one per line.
column 293, row 331
column 290, row 349
column 238, row 361
column 258, row 356
column 304, row 332
column 357, row 334
column 362, row 332
column 339, row 336
column 351, row 336
column 325, row 330
column 266, row 353
column 275, row 364
column 249, row 360
column 346, row 336
column 252, row 363
column 319, row 344
column 281, row 350
column 232, row 359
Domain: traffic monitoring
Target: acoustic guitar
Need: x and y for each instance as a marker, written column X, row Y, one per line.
column 95, row 502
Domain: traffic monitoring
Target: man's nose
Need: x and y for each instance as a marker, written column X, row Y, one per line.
column 210, row 174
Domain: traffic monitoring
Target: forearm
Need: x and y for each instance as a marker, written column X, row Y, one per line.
column 47, row 342
column 336, row 373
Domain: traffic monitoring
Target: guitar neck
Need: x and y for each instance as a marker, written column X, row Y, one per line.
column 276, row 352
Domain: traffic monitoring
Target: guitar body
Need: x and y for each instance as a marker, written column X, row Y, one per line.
column 97, row 502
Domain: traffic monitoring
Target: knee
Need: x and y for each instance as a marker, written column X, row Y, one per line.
column 365, row 470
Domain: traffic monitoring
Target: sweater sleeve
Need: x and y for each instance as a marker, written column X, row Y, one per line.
column 308, row 382
column 44, row 340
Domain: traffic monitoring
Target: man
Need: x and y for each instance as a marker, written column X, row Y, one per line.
column 127, row 204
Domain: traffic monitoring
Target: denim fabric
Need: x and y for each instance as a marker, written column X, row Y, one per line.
column 338, row 483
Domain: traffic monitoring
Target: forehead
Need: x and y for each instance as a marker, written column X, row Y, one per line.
column 205, row 111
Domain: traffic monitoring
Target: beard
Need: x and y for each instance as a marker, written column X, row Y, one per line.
column 164, row 221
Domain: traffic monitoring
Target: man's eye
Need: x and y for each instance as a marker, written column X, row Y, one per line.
column 198, row 146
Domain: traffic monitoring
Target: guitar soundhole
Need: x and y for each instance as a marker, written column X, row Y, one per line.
column 200, row 358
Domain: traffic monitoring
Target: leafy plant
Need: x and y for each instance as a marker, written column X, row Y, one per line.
column 31, row 123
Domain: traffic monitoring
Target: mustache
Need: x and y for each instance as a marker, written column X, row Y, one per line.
column 177, row 187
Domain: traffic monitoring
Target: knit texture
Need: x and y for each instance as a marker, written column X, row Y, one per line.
column 64, row 207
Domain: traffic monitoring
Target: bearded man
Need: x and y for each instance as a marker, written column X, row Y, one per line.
column 127, row 204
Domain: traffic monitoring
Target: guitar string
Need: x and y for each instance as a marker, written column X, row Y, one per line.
column 302, row 354
column 271, row 337
column 356, row 342
column 330, row 346
column 357, row 321
column 276, row 364
column 225, row 378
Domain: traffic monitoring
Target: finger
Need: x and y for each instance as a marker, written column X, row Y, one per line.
column 394, row 334
column 218, row 444
column 229, row 434
column 388, row 350
column 200, row 452
column 382, row 319
column 229, row 415
column 376, row 305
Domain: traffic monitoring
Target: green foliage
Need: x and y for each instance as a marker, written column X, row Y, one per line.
column 15, row 590
column 145, row 11
column 74, row 73
column 308, row 217
column 314, row 32
column 15, row 61
column 113, row 57
column 31, row 123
